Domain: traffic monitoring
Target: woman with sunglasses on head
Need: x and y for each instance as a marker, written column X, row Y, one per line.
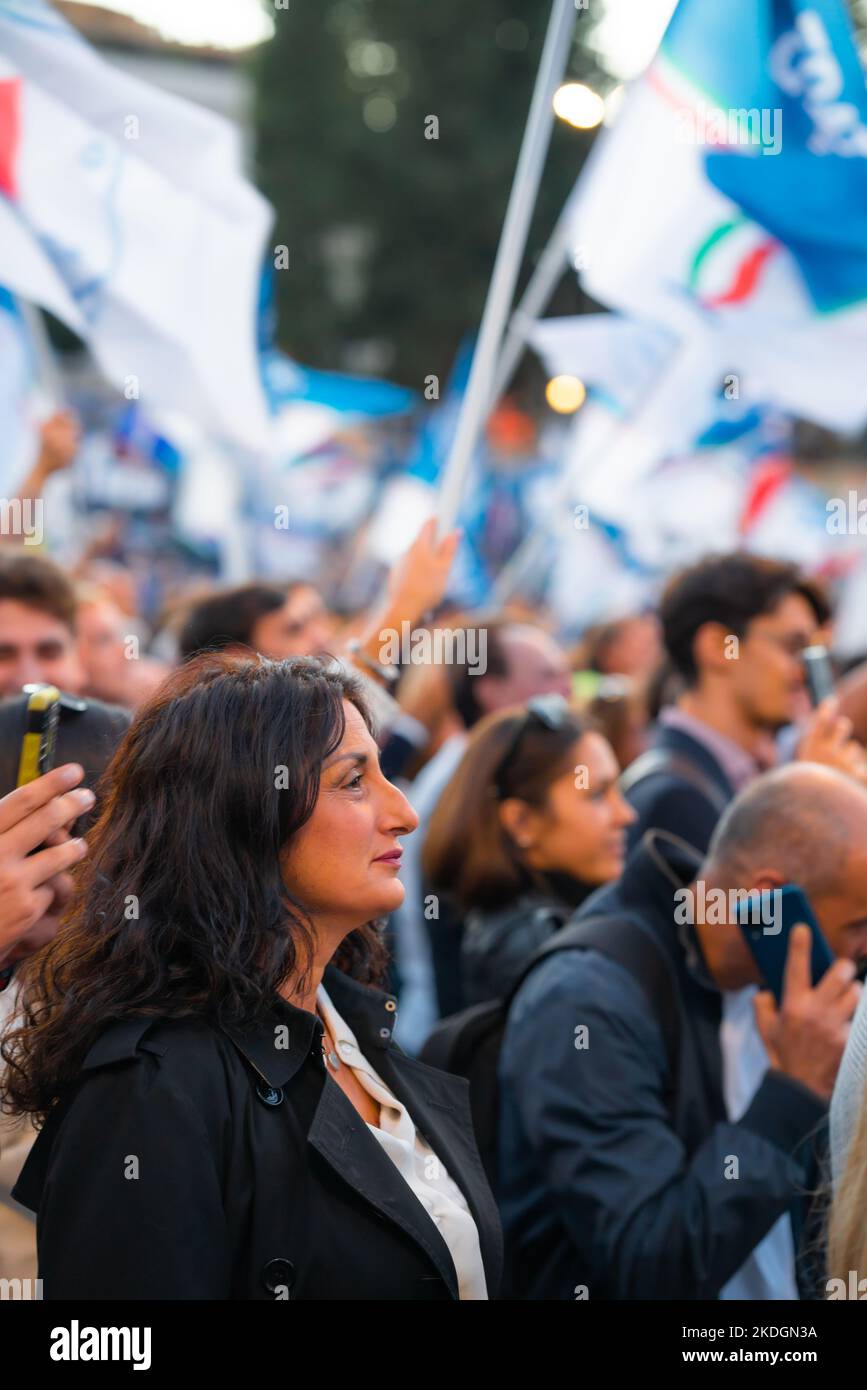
column 225, row 1113
column 529, row 825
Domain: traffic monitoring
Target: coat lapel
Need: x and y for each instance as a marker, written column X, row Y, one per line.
column 439, row 1104
column 340, row 1135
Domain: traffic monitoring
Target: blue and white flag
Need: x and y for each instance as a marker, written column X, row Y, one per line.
column 729, row 201
column 287, row 382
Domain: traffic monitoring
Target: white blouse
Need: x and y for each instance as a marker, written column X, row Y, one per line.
column 417, row 1164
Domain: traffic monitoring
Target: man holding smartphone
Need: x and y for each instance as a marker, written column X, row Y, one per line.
column 638, row 1164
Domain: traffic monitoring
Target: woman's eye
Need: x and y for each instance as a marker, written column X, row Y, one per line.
column 356, row 780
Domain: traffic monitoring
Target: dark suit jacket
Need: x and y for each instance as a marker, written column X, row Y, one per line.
column 193, row 1163
column 686, row 806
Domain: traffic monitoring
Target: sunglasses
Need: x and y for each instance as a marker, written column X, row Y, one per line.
column 546, row 711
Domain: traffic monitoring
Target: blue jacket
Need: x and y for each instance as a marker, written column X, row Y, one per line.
column 609, row 1186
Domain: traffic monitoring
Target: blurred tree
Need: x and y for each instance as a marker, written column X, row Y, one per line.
column 391, row 234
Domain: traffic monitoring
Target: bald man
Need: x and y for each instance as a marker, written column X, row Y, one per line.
column 661, row 1119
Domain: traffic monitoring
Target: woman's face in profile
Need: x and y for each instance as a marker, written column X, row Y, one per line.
column 343, row 864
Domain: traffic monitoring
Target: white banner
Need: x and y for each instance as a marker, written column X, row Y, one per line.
column 124, row 212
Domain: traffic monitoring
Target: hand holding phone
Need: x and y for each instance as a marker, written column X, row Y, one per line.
column 767, row 920
column 34, row 881
column 827, row 738
column 39, row 742
column 805, row 1035
column 819, row 672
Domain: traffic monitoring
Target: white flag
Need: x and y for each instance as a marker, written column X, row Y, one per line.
column 17, row 382
column 124, row 212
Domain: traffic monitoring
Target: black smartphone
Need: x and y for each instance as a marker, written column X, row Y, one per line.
column 39, row 743
column 766, row 921
column 819, row 672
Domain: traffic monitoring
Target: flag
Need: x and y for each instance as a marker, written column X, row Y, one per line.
column 136, row 437
column 287, row 382
column 617, row 358
column 123, row 211
column 17, row 387
column 729, row 201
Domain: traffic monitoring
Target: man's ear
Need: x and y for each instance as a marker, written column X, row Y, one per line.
column 765, row 880
column 520, row 821
column 714, row 649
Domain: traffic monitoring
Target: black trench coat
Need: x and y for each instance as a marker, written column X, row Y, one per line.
column 190, row 1164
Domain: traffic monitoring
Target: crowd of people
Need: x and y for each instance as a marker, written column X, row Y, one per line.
column 331, row 977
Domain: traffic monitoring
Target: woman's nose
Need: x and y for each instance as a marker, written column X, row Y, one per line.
column 402, row 818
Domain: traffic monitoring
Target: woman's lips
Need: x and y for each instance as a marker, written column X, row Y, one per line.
column 394, row 856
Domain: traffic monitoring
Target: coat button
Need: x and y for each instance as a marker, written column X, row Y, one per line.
column 269, row 1095
column 385, row 1032
column 278, row 1274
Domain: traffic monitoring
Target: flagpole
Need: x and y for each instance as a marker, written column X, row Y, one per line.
column 541, row 285
column 501, row 291
column 47, row 370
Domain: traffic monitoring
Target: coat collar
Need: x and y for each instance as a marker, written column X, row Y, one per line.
column 277, row 1046
column 658, row 866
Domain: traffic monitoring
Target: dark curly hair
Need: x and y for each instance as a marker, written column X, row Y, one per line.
column 732, row 590
column 180, row 907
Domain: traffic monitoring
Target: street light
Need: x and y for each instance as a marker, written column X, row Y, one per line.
column 579, row 106
column 565, row 394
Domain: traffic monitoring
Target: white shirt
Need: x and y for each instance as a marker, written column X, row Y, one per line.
column 417, row 1164
column 769, row 1271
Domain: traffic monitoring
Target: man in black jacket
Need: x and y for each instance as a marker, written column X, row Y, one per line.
column 734, row 627
column 625, row 1173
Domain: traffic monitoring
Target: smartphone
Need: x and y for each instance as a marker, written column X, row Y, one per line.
column 766, row 921
column 819, row 673
column 39, row 744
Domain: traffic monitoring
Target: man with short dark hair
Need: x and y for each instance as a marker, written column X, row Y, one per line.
column 37, row 624
column 734, row 628
column 657, row 1139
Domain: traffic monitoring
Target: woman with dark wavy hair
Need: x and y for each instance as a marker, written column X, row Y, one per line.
column 224, row 1113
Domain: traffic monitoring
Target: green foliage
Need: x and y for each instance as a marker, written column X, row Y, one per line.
column 424, row 215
